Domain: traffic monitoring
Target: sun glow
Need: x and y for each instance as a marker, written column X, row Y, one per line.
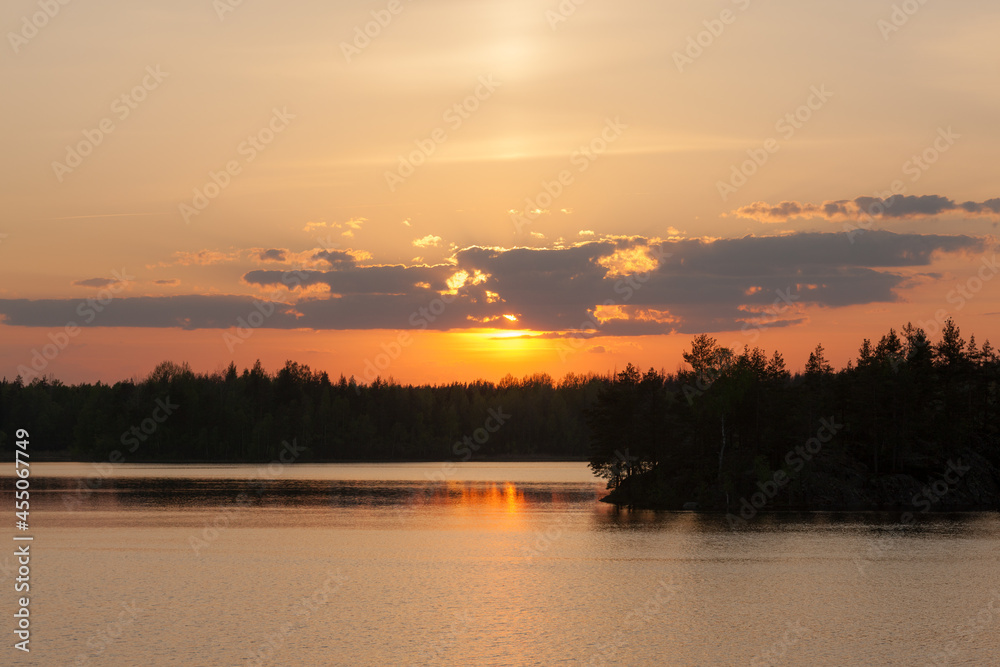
column 515, row 333
column 515, row 345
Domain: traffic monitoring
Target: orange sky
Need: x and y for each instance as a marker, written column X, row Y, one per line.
column 186, row 161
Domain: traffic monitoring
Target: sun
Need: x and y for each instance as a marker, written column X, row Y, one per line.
column 503, row 342
column 509, row 333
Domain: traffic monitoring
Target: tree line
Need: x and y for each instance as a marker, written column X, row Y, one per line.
column 175, row 414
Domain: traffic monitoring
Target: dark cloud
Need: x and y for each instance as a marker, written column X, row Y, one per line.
column 335, row 258
column 618, row 287
column 754, row 255
column 272, row 255
column 370, row 280
column 185, row 312
column 899, row 207
column 904, row 206
column 95, row 282
column 985, row 208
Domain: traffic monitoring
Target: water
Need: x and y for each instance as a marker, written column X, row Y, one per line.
column 497, row 564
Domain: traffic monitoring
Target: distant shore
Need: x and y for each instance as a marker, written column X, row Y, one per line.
column 65, row 457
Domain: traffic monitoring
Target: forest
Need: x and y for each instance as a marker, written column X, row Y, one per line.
column 734, row 429
column 175, row 414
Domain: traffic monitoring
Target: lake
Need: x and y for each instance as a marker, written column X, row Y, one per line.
column 478, row 564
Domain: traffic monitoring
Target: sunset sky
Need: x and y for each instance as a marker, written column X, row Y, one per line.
column 487, row 187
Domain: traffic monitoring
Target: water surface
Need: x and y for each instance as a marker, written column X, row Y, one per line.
column 480, row 564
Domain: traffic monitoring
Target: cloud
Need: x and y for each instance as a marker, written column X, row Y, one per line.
column 272, row 255
column 185, row 312
column 348, row 279
column 899, row 207
column 95, row 282
column 170, row 281
column 243, row 255
column 988, row 207
column 349, row 227
column 335, row 258
column 428, row 241
column 206, row 257
column 611, row 287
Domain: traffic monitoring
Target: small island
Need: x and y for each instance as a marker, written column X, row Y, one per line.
column 912, row 425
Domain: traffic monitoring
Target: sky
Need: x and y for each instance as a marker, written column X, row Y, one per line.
column 444, row 191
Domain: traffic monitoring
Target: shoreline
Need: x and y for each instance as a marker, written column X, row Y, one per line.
column 496, row 459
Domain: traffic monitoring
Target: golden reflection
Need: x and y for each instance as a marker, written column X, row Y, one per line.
column 487, row 500
column 510, row 496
